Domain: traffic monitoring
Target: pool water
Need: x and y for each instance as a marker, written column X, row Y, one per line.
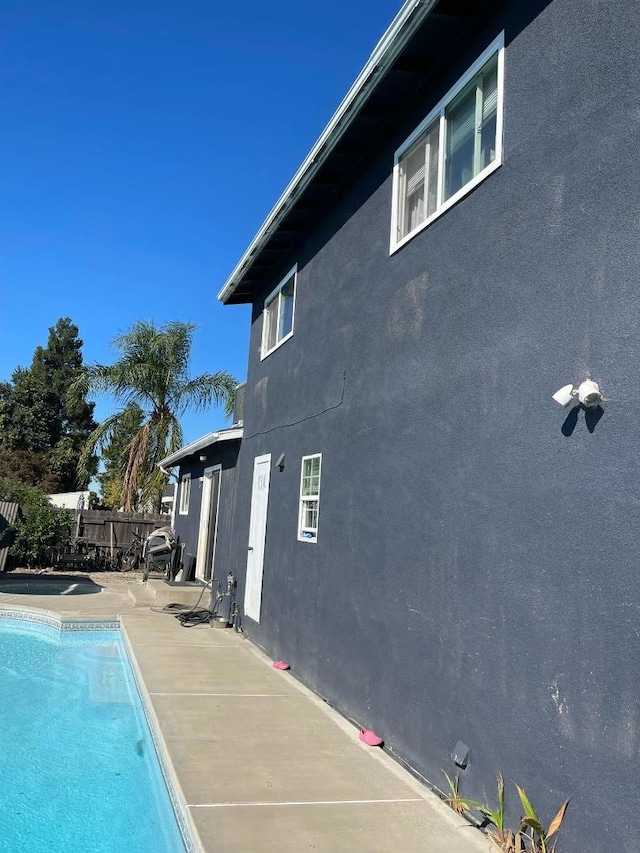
column 78, row 769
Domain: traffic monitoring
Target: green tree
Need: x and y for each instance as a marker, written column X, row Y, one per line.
column 152, row 370
column 27, row 412
column 40, row 527
column 60, row 363
column 42, row 430
column 115, row 454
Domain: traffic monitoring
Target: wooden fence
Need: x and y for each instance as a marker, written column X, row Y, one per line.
column 110, row 531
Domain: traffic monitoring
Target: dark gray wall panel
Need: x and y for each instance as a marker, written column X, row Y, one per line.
column 226, row 454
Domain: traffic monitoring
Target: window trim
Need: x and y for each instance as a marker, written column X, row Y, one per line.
column 496, row 46
column 305, row 498
column 183, row 509
column 293, row 272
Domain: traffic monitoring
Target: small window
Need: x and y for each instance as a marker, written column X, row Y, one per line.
column 309, row 498
column 455, row 148
column 185, row 493
column 277, row 319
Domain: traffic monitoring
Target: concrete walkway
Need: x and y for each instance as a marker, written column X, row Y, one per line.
column 263, row 764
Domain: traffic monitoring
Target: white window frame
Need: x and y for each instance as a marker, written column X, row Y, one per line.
column 305, row 499
column 275, row 294
column 185, row 494
column 496, row 46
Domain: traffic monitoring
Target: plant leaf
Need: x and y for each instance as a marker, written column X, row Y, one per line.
column 535, row 825
column 555, row 824
column 500, row 791
column 453, row 786
column 526, row 805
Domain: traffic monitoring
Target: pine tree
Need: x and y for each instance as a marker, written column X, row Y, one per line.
column 42, row 431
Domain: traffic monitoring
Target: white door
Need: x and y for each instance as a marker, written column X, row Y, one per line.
column 257, row 534
column 208, row 522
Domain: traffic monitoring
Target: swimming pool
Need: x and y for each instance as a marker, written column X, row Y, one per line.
column 78, row 769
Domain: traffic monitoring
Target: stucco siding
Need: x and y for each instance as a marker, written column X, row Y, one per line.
column 475, row 575
column 187, row 526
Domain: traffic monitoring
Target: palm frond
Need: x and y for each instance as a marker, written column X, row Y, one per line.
column 135, row 463
column 201, row 391
column 152, row 371
column 98, row 439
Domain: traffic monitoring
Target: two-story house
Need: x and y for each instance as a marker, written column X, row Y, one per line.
column 433, row 544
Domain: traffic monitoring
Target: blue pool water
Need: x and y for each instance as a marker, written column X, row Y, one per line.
column 78, row 770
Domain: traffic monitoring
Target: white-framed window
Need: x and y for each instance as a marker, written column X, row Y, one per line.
column 185, row 493
column 279, row 308
column 455, row 148
column 309, row 498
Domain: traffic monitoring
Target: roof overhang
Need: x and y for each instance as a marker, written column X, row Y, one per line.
column 199, row 444
column 399, row 63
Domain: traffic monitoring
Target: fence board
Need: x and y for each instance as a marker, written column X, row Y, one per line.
column 104, row 528
column 8, row 514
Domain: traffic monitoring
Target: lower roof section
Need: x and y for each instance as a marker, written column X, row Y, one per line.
column 231, row 434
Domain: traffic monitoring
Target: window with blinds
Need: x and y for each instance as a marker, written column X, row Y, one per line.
column 454, row 148
column 277, row 319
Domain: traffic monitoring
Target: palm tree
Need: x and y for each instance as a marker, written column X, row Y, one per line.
column 152, row 371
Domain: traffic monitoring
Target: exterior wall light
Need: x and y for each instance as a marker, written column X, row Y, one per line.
column 588, row 393
column 202, row 457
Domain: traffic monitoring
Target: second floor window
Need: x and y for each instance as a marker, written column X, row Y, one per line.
column 277, row 320
column 452, row 150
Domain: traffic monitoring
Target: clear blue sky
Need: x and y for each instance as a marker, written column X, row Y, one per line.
column 141, row 146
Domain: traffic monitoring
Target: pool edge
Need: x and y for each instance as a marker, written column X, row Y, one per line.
column 53, row 620
column 190, row 835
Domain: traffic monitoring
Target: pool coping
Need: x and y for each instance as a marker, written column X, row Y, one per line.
column 188, row 831
column 53, row 620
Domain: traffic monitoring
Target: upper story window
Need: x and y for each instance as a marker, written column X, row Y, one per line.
column 185, row 493
column 456, row 146
column 277, row 319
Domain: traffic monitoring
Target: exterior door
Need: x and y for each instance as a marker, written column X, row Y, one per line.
column 257, row 535
column 208, row 522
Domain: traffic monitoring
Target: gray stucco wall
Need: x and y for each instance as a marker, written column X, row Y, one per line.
column 187, row 526
column 476, row 571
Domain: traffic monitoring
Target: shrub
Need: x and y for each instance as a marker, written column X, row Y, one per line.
column 40, row 527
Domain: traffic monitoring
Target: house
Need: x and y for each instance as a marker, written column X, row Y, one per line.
column 71, row 500
column 437, row 548
column 205, row 485
column 168, row 499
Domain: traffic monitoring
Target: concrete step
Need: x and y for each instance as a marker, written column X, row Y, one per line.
column 163, row 592
column 141, row 596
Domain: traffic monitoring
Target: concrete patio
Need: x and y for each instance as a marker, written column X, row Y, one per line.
column 262, row 763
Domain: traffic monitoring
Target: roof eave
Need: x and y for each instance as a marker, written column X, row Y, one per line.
column 199, row 444
column 406, row 22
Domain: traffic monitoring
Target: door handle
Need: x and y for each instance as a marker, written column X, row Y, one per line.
column 251, row 547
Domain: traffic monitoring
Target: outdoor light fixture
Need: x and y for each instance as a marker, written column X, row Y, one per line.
column 588, row 393
column 460, row 755
column 203, row 457
column 280, row 462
